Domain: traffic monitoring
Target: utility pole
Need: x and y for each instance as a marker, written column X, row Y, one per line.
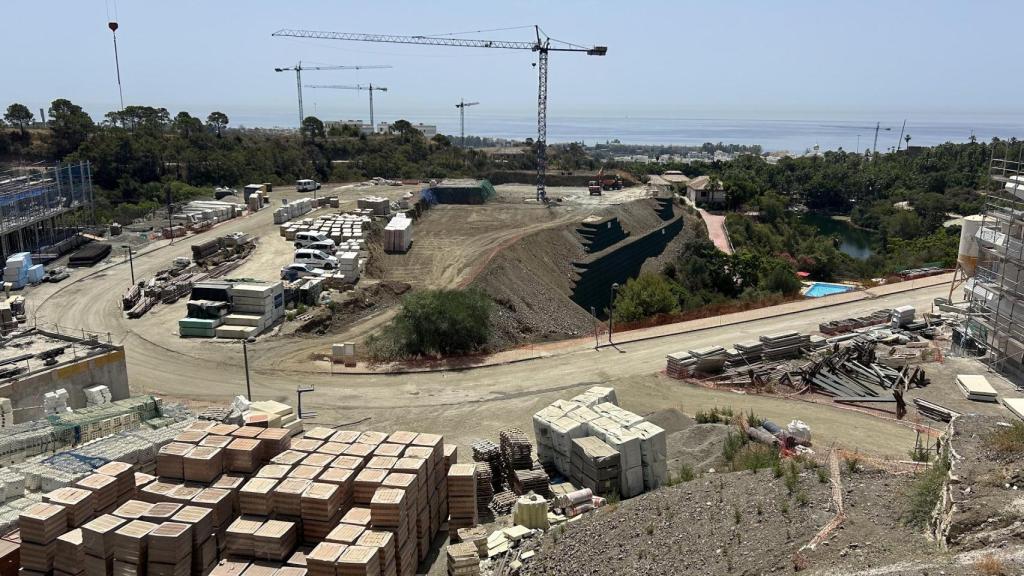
column 462, row 119
column 131, row 264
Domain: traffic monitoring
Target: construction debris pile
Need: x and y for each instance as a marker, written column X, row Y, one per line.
column 641, row 446
column 833, row 327
column 754, row 362
column 232, row 309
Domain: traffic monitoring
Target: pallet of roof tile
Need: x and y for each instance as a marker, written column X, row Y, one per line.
column 70, row 557
column 98, row 535
column 41, row 523
column 255, row 496
column 78, row 503
column 318, row 433
column 130, row 541
column 287, row 496
column 359, row 561
column 275, row 540
column 219, row 501
column 170, row 543
column 433, row 442
column 240, row 536
column 201, row 520
column 305, row 445
column 161, row 512
column 384, row 542
column 323, row 558
column 374, row 438
column 170, row 461
column 318, row 459
column 183, row 493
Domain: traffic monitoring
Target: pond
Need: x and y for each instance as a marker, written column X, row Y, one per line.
column 853, row 241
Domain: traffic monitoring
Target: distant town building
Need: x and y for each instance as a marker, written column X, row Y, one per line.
column 428, row 130
column 676, row 177
column 700, row 191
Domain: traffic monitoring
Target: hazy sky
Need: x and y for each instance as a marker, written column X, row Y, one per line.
column 750, row 59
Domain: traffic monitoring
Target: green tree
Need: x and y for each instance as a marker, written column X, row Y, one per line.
column 19, row 115
column 643, row 297
column 187, row 126
column 405, row 130
column 69, row 127
column 312, row 128
column 218, row 121
column 436, row 323
column 779, row 276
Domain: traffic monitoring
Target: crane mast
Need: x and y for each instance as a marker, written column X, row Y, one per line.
column 369, row 87
column 298, row 77
column 542, row 45
column 462, row 105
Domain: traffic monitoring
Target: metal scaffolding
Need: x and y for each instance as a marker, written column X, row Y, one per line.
column 996, row 291
column 44, row 207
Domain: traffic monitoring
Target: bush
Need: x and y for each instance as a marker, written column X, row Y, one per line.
column 754, row 457
column 925, row 492
column 435, row 323
column 1008, row 440
column 714, row 416
column 643, row 297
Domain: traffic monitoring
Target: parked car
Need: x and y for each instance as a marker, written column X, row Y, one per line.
column 296, row 270
column 304, row 239
column 317, row 258
column 306, row 185
column 325, row 246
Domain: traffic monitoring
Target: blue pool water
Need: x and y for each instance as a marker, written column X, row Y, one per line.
column 819, row 289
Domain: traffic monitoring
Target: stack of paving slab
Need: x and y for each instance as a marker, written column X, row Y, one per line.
column 398, row 235
column 377, row 205
column 784, row 345
column 348, row 265
column 976, row 387
column 16, row 270
column 901, row 316
column 744, row 353
column 254, row 307
column 710, row 360
column 462, row 507
column 679, row 365
column 292, row 209
column 41, row 524
column 279, row 415
column 641, row 445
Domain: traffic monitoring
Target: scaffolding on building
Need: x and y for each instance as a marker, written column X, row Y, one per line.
column 996, row 291
column 45, row 207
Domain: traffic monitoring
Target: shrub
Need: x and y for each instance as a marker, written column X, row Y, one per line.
column 643, row 297
column 990, row 565
column 925, row 492
column 685, row 472
column 753, row 457
column 733, row 443
column 852, row 462
column 920, row 454
column 1008, row 439
column 754, row 420
column 822, row 475
column 802, row 499
column 714, row 416
column 435, row 323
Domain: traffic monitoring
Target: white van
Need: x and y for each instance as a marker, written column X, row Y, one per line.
column 326, row 246
column 304, row 239
column 317, row 258
column 306, row 185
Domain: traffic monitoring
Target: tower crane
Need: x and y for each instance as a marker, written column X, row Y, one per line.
column 298, row 77
column 542, row 45
column 369, row 88
column 462, row 105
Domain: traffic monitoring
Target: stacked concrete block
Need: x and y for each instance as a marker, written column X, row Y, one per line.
column 398, row 235
column 595, row 465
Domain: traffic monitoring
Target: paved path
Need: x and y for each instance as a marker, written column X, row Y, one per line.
column 717, row 231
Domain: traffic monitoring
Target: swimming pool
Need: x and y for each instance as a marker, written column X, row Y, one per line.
column 819, row 289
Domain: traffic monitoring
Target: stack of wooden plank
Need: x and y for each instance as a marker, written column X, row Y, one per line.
column 79, row 504
column 288, row 496
column 244, row 455
column 595, row 465
column 104, row 490
column 255, row 496
column 204, row 545
column 461, row 497
column 125, row 475
column 275, row 540
column 203, row 464
column 359, row 561
column 463, row 559
column 130, row 548
column 384, row 542
column 170, row 460
column 240, row 536
column 320, row 509
column 41, row 524
column 70, row 559
column 98, row 543
column 169, row 550
column 679, row 365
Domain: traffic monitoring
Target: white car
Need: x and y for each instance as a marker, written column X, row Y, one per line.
column 296, row 270
column 316, row 258
column 304, row 239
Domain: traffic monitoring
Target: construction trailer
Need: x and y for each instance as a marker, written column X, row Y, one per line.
column 43, row 210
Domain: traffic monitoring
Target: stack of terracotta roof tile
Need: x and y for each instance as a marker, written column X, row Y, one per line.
column 217, row 441
column 275, row 441
column 190, row 436
column 342, row 478
column 348, row 462
column 244, row 455
column 320, row 510
column 360, row 450
column 183, row 493
column 359, row 561
column 170, row 461
column 70, row 559
column 346, row 534
column 98, row 543
column 170, row 550
column 384, row 542
column 275, row 471
column 104, row 490
column 372, row 438
column 318, row 459
column 390, row 449
column 358, row 516
column 161, row 512
column 130, row 548
column 306, row 444
column 203, row 464
column 132, row 509
column 240, row 536
column 305, row 472
column 275, row 540
column 288, row 457
column 221, row 429
column 419, row 518
column 125, row 475
column 157, row 490
column 255, row 496
column 461, row 497
column 288, row 496
column 204, row 545
column 389, row 511
column 80, row 504
column 232, row 483
column 322, row 560
column 41, row 524
column 218, row 500
column 366, row 483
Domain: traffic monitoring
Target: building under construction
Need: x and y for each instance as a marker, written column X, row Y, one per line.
column 992, row 256
column 42, row 211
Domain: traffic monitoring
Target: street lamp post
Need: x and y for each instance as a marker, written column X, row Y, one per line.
column 131, row 263
column 245, row 358
column 611, row 308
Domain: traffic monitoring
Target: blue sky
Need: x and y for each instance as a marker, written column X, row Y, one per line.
column 744, row 59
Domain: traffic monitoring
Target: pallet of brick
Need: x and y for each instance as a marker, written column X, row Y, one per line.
column 240, row 536
column 201, row 520
column 203, row 464
column 275, row 471
column 80, row 504
column 306, row 445
column 320, row 510
column 275, row 540
column 130, row 542
column 346, row 534
column 218, row 441
column 323, row 558
column 161, row 512
column 384, row 542
column 219, row 501
column 41, row 523
column 357, row 515
column 595, row 465
column 288, row 457
column 255, row 496
column 359, row 561
column 502, row 502
column 98, row 535
column 366, row 483
column 170, row 544
column 170, row 460
column 287, row 496
column 104, row 491
column 462, row 509
column 485, row 451
column 526, row 481
column 318, row 460
column 451, row 455
column 123, row 472
column 132, row 510
column 516, row 449
column 373, row 438
column 463, row 559
column 70, row 558
column 304, row 472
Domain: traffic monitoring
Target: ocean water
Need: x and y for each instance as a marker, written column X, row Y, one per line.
column 793, row 135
